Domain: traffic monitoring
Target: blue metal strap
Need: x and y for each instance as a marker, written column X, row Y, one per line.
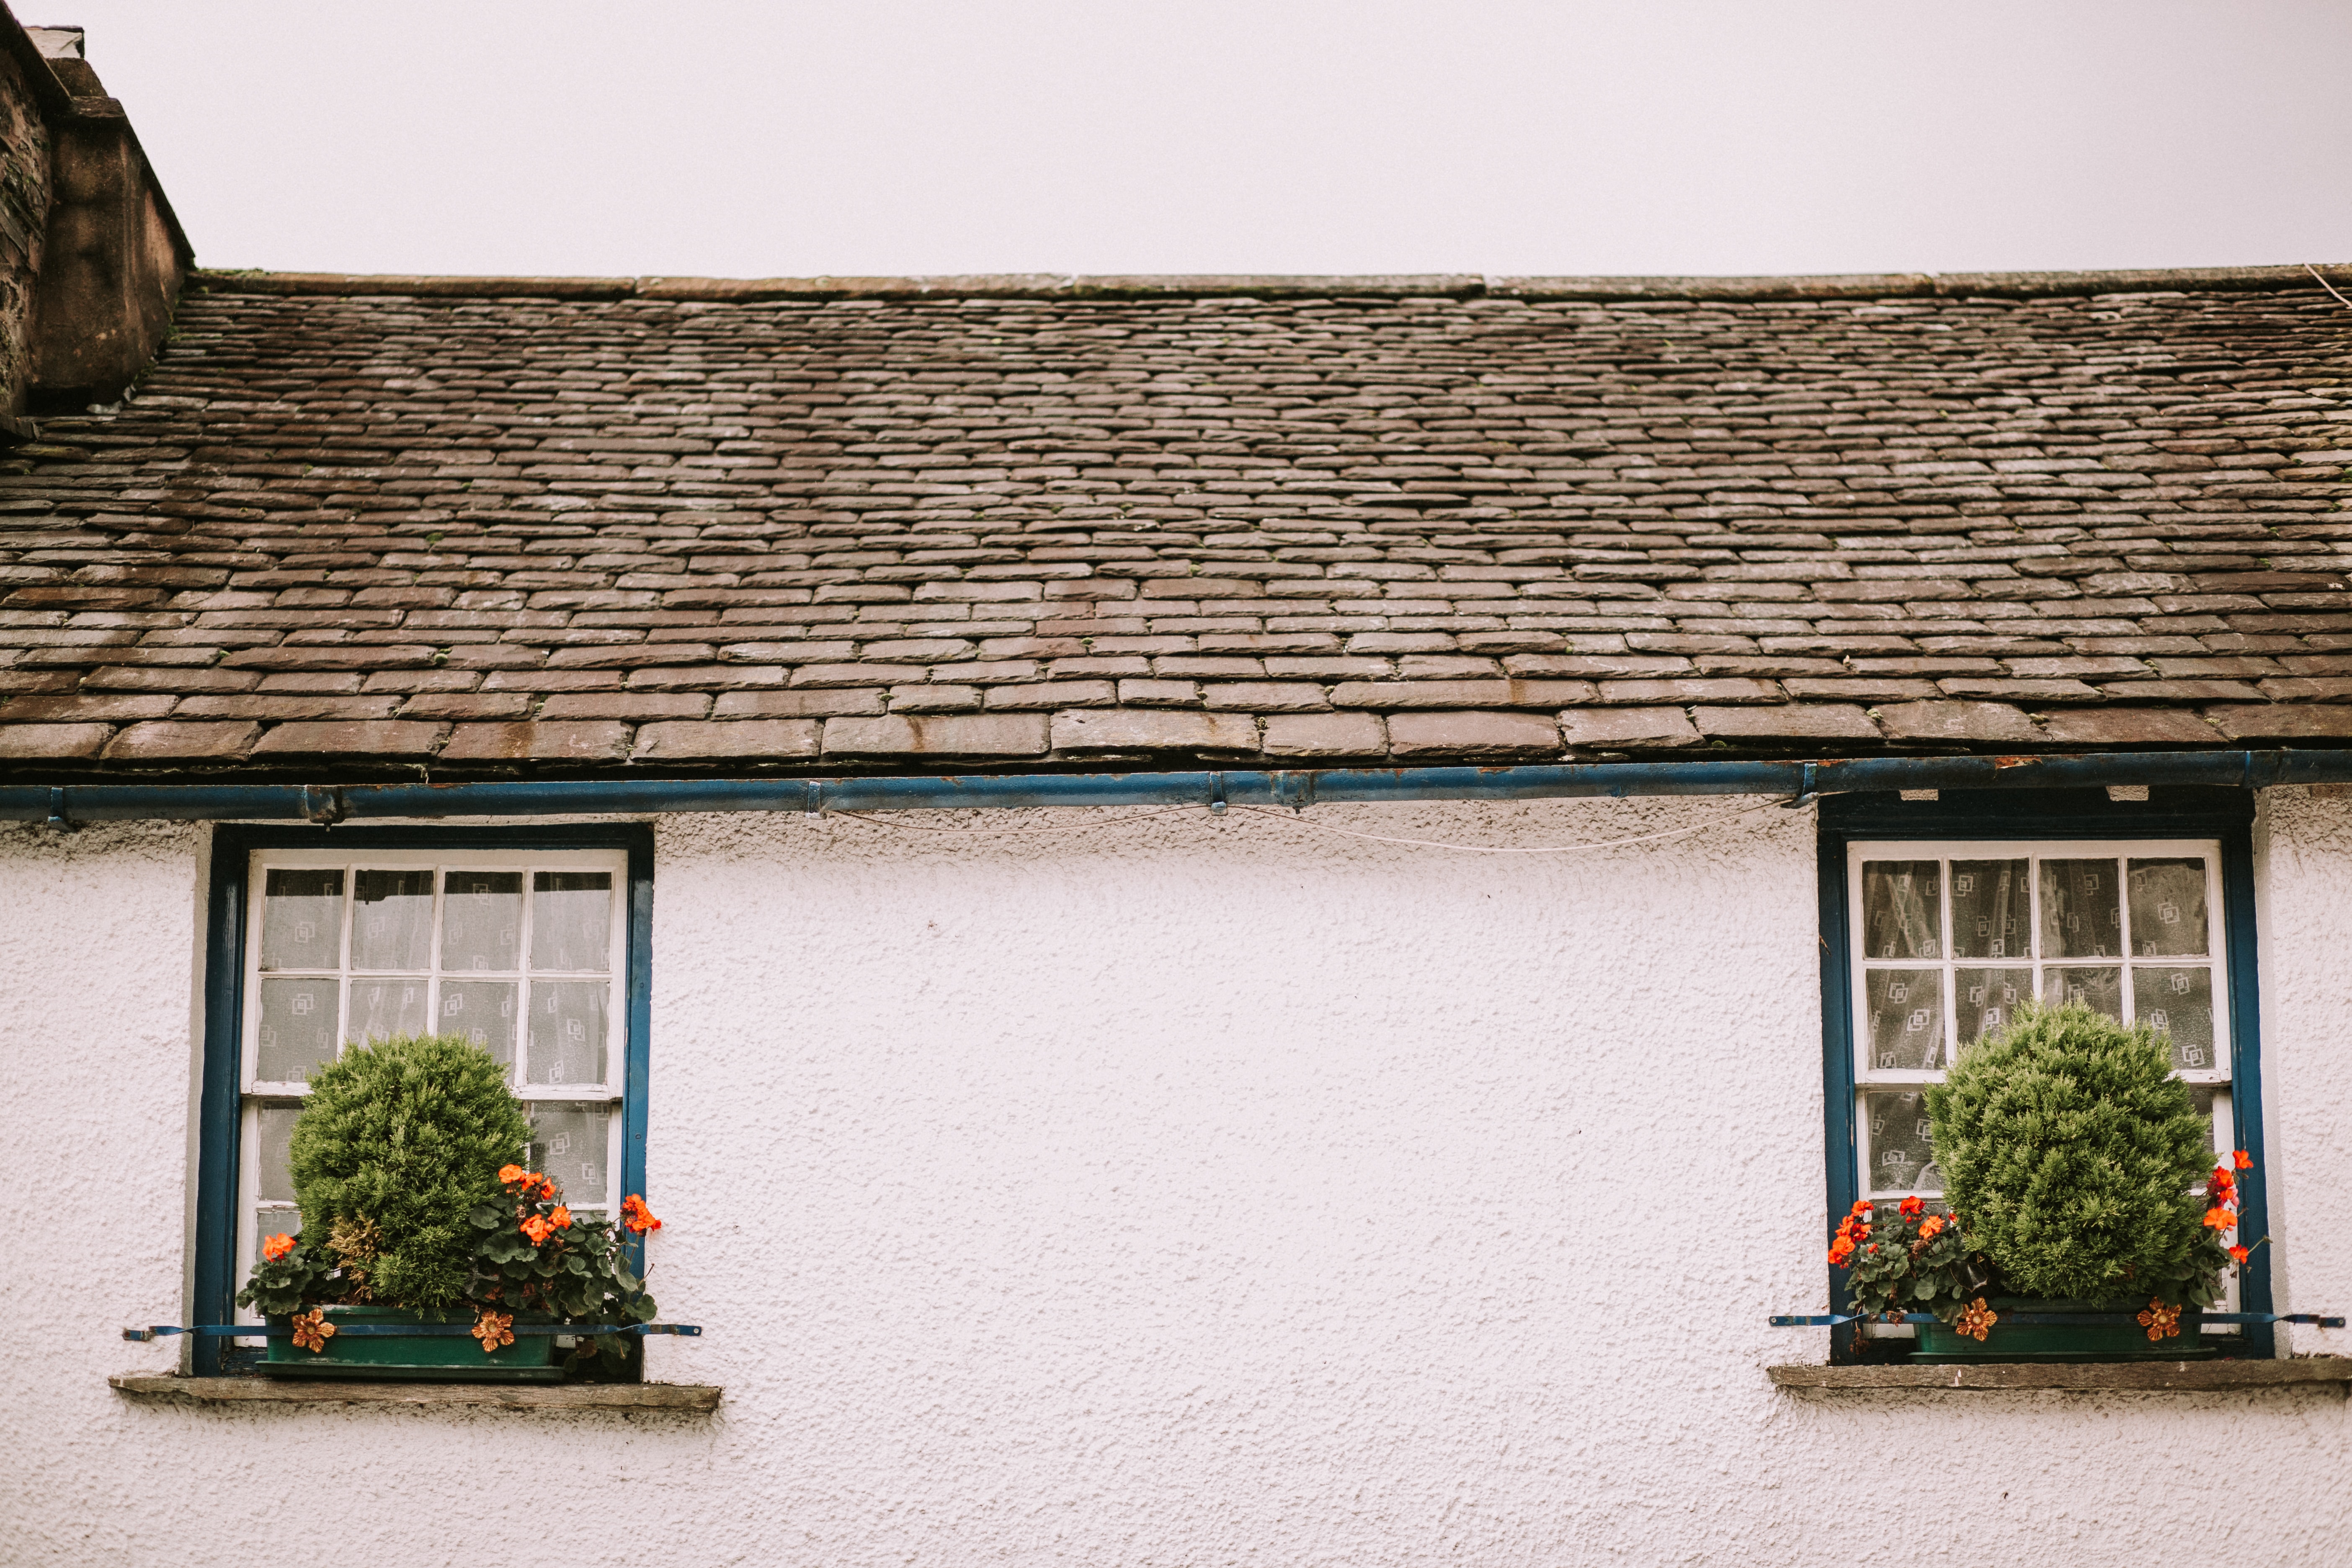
column 254, row 1332
column 2100, row 1320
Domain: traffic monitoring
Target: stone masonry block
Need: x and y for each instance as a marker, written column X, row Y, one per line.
column 1152, row 730
column 159, row 741
column 578, row 741
column 1472, row 735
column 626, row 705
column 1325, row 735
column 1628, row 728
column 1789, row 721
column 1957, row 721
column 1267, row 696
column 680, row 740
column 366, row 738
column 2272, row 721
column 29, row 741
column 1459, row 694
column 937, row 735
column 2129, row 727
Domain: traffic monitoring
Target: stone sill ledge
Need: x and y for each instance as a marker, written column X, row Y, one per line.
column 2124, row 1377
column 686, row 1397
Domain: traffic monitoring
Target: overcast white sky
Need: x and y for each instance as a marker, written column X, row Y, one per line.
column 1520, row 136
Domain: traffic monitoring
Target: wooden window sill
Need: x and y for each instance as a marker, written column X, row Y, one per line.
column 687, row 1398
column 2122, row 1376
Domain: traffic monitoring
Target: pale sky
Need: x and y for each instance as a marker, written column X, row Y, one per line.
column 1519, row 136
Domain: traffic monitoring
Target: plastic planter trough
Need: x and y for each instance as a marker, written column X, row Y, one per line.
column 2123, row 1340
column 438, row 1358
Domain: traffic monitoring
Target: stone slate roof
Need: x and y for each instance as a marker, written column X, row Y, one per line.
column 349, row 526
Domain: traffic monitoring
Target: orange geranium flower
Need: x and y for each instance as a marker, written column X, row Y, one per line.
column 559, row 1218
column 636, row 1217
column 1910, row 1208
column 510, row 1173
column 2238, row 1254
column 1861, row 1206
column 539, row 1227
column 2245, row 1161
column 277, row 1247
column 2220, row 1218
column 311, row 1330
column 494, row 1329
column 1931, row 1228
column 1840, row 1250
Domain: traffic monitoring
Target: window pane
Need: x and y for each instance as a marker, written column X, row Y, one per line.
column 481, row 920
column 1987, row 998
column 571, row 1144
column 298, row 1029
column 2101, row 990
column 567, row 1031
column 384, row 1008
column 392, row 920
column 1900, row 913
column 275, row 1136
column 2081, row 915
column 1990, row 904
column 2168, row 906
column 2179, row 1003
column 571, row 920
column 484, row 1012
column 1900, row 1156
column 1907, row 1018
column 303, row 921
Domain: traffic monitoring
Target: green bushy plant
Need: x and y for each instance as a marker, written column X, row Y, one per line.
column 2073, row 1159
column 400, row 1141
column 403, row 1163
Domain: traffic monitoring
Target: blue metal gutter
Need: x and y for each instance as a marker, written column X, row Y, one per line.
column 68, row 803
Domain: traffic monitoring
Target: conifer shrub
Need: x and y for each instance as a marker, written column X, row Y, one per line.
column 2073, row 1157
column 399, row 1142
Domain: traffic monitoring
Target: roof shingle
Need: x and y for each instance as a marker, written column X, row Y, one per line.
column 645, row 529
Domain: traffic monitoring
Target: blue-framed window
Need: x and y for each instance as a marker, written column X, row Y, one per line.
column 533, row 940
column 1938, row 916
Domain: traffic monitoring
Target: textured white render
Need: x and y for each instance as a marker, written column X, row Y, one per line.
column 1165, row 1191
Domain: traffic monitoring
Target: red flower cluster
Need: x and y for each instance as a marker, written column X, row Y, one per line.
column 1851, row 1231
column 527, row 1184
column 2221, row 1195
column 636, row 1217
column 277, row 1247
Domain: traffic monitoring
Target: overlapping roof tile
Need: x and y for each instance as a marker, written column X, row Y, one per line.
column 368, row 529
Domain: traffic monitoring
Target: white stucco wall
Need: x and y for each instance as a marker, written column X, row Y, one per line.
column 1166, row 1192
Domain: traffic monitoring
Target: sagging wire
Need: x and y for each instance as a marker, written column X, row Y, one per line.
column 2324, row 283
column 1305, row 821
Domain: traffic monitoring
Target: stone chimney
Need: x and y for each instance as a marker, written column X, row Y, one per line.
column 91, row 257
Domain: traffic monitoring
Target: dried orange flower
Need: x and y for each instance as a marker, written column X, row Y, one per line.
column 277, row 1247
column 494, row 1329
column 1977, row 1320
column 2160, row 1320
column 311, row 1330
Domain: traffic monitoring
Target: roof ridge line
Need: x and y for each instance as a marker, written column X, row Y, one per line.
column 1456, row 286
